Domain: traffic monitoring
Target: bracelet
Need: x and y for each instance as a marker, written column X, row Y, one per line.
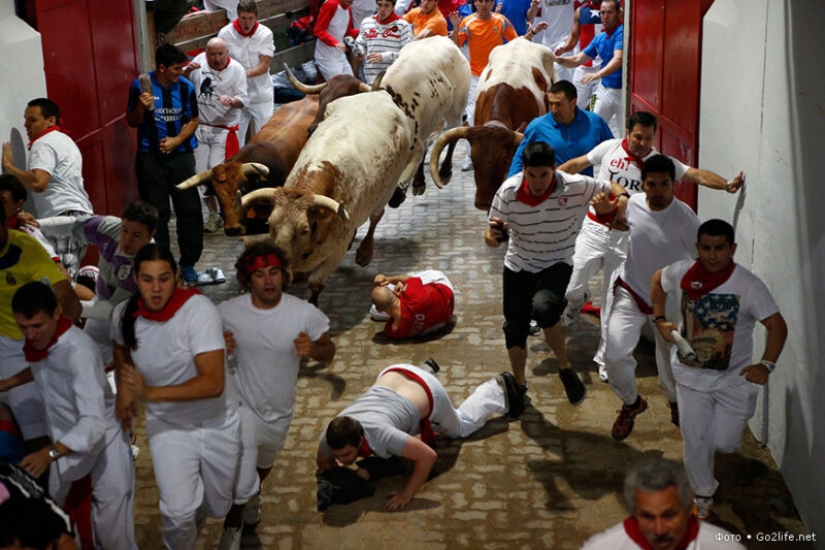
column 662, row 317
column 770, row 365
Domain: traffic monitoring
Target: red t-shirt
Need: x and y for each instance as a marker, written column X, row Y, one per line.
column 424, row 308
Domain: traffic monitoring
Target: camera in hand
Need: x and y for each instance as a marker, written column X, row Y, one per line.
column 505, row 235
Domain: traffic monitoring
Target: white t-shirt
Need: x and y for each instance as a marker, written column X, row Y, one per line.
column 559, row 17
column 708, row 538
column 247, row 52
column 267, row 367
column 165, row 356
column 543, row 235
column 657, row 239
column 79, row 402
column 718, row 326
column 210, row 85
column 615, row 166
column 57, row 154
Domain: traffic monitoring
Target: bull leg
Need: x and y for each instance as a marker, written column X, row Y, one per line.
column 419, row 183
column 446, row 170
column 364, row 254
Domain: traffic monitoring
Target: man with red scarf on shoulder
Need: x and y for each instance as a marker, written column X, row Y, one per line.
column 717, row 386
column 659, row 498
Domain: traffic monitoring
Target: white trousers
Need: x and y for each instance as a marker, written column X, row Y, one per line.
column 609, row 107
column 446, row 420
column 597, row 247
column 211, row 149
column 25, row 400
column 99, row 330
column 470, row 110
column 624, row 328
column 113, row 492
column 333, row 65
column 256, row 114
column 261, row 442
column 195, row 469
column 585, row 91
column 711, row 422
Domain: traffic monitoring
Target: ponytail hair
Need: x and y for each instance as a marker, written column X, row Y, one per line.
column 151, row 252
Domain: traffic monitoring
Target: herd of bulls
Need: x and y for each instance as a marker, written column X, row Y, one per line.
column 325, row 164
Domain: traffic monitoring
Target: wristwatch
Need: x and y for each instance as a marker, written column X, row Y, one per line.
column 54, row 454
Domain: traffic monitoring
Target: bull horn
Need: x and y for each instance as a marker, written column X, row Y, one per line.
column 331, row 204
column 256, row 195
column 518, row 137
column 364, row 88
column 197, row 179
column 254, row 168
column 376, row 84
column 300, row 86
column 454, row 134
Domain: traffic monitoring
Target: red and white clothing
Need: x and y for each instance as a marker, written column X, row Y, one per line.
column 657, row 238
column 626, row 535
column 599, row 247
column 247, row 50
column 715, row 400
column 264, row 374
column 80, row 414
column 559, row 17
column 587, row 31
column 333, row 24
column 427, row 303
column 384, row 37
column 195, row 444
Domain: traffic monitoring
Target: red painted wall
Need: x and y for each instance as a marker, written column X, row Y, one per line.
column 665, row 67
column 91, row 57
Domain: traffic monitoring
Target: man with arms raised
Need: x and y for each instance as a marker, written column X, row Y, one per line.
column 426, row 20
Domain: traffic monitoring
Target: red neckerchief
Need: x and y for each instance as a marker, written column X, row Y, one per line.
column 14, row 223
column 34, row 355
column 364, row 450
column 631, row 528
column 237, row 25
column 393, row 17
column 697, row 281
column 427, row 434
column 179, row 297
column 630, row 156
column 524, row 195
column 611, row 31
column 54, row 128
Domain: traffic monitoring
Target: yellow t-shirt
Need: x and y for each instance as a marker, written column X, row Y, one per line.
column 22, row 260
column 434, row 21
column 483, row 36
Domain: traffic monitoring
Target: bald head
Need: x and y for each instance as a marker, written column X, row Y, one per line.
column 216, row 54
column 383, row 298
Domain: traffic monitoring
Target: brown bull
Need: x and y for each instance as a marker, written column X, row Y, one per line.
column 511, row 92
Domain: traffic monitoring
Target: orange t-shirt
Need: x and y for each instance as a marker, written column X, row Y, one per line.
column 483, row 36
column 433, row 21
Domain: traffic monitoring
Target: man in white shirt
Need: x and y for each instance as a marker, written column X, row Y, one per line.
column 558, row 15
column 272, row 332
column 86, row 439
column 220, row 83
column 252, row 45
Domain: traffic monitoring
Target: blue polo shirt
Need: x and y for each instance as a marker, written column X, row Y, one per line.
column 604, row 45
column 516, row 12
column 174, row 107
column 587, row 131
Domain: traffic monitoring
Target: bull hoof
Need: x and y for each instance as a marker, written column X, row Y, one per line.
column 445, row 176
column 363, row 258
column 418, row 189
column 233, row 231
column 395, row 201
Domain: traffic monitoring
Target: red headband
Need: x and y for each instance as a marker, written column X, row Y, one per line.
column 259, row 262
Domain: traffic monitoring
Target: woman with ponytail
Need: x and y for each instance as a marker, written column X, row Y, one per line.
column 170, row 354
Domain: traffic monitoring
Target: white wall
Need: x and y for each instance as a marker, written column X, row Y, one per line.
column 763, row 110
column 21, row 65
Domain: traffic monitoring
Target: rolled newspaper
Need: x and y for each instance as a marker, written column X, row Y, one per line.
column 685, row 352
column 146, row 87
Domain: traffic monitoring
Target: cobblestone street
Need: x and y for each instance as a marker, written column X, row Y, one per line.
column 549, row 480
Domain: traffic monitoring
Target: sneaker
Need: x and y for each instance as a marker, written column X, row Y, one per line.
column 571, row 312
column 376, row 315
column 213, row 223
column 252, row 512
column 230, row 539
column 513, row 397
column 674, row 413
column 467, row 166
column 702, row 506
column 603, row 373
column 534, row 329
column 573, row 387
column 397, row 198
column 627, row 417
column 190, row 276
column 430, row 362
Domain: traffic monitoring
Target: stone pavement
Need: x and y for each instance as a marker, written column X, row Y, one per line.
column 549, row 480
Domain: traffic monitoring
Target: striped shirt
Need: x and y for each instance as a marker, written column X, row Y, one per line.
column 543, row 235
column 174, row 107
column 385, row 38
